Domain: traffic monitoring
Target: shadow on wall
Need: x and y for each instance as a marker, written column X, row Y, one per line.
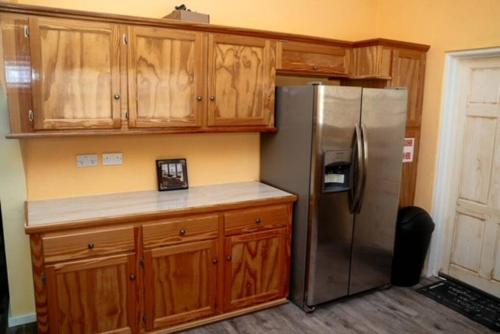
column 12, row 197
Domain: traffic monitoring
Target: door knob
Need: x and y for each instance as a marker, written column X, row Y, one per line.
column 199, row 98
column 212, row 98
column 116, row 96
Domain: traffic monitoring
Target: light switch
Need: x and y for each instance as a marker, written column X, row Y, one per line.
column 112, row 159
column 86, row 160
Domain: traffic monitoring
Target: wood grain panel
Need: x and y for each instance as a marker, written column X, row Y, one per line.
column 15, row 60
column 409, row 171
column 181, row 283
column 408, row 70
column 92, row 296
column 42, row 312
column 255, row 219
column 297, row 56
column 87, row 243
column 241, row 73
column 166, row 77
column 76, row 67
column 255, row 268
column 184, row 229
column 371, row 61
column 467, row 242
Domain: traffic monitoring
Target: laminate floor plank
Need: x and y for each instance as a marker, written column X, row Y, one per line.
column 396, row 310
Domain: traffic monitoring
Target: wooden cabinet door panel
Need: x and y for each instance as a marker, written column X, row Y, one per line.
column 256, row 268
column 241, row 73
column 75, row 74
column 167, row 82
column 180, row 283
column 92, row 296
column 408, row 70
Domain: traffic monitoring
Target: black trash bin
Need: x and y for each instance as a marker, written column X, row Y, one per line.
column 413, row 236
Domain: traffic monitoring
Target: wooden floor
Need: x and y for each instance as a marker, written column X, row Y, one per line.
column 395, row 310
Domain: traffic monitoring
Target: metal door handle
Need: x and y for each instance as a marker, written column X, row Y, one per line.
column 365, row 167
column 358, row 149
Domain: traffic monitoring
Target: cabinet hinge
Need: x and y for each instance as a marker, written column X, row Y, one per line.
column 126, row 115
column 26, row 31
column 43, row 278
column 125, row 39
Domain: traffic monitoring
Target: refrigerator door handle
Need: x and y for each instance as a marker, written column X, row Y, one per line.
column 365, row 167
column 359, row 171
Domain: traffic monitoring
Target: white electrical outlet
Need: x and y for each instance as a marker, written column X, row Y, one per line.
column 112, row 159
column 86, row 160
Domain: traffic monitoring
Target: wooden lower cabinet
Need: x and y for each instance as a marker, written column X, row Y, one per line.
column 92, row 296
column 180, row 283
column 256, row 268
column 165, row 275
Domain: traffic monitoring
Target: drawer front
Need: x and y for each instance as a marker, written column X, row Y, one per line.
column 174, row 231
column 87, row 243
column 255, row 219
column 313, row 58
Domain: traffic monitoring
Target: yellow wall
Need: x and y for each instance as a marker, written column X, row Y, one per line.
column 215, row 158
column 447, row 25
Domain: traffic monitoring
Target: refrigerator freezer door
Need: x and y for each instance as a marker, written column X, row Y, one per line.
column 383, row 120
column 337, row 111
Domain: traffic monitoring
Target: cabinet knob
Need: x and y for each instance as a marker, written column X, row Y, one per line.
column 116, row 96
column 214, row 260
column 182, row 231
column 132, row 277
column 258, row 221
column 91, row 245
column 228, row 258
column 212, row 98
column 199, row 98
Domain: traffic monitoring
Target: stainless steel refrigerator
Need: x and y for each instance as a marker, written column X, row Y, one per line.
column 340, row 150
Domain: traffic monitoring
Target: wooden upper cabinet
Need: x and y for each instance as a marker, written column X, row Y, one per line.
column 312, row 58
column 76, row 82
column 256, row 268
column 408, row 70
column 92, row 296
column 180, row 283
column 371, row 62
column 241, row 72
column 167, row 81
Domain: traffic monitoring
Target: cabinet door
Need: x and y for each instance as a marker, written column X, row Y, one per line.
column 167, row 82
column 92, row 296
column 408, row 70
column 180, row 283
column 76, row 82
column 241, row 75
column 256, row 268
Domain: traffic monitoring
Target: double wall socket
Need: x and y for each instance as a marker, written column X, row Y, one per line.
column 92, row 160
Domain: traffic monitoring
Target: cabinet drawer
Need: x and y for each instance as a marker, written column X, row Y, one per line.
column 255, row 219
column 87, row 243
column 306, row 57
column 173, row 231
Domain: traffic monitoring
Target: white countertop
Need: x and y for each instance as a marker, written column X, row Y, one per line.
column 119, row 205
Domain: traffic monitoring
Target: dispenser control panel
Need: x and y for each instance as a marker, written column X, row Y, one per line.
column 337, row 168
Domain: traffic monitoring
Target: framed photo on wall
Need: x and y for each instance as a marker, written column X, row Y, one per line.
column 172, row 174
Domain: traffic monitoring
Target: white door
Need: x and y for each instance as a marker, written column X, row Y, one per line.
column 473, row 247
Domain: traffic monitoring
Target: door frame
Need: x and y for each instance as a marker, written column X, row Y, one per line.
column 449, row 128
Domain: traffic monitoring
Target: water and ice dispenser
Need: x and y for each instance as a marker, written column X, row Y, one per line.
column 337, row 170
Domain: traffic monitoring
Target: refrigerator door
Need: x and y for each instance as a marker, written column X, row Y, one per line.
column 337, row 111
column 383, row 120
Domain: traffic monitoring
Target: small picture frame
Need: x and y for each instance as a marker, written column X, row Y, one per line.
column 172, row 174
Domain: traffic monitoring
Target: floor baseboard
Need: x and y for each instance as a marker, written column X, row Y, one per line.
column 22, row 319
